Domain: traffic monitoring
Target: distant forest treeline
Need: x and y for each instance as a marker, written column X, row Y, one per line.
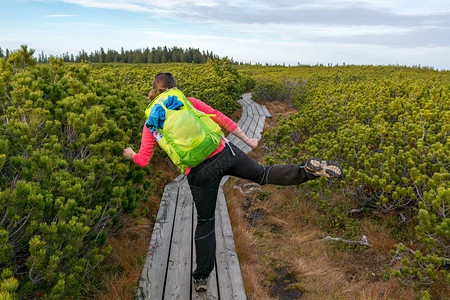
column 154, row 55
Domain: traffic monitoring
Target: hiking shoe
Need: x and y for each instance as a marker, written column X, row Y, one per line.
column 200, row 284
column 327, row 168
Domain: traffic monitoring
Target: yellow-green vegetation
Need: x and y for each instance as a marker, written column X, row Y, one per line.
column 65, row 185
column 389, row 126
column 216, row 83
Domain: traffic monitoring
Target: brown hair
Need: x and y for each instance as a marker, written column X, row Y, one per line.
column 161, row 83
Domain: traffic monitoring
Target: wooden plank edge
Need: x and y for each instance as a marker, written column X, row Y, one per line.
column 178, row 277
column 231, row 284
column 151, row 283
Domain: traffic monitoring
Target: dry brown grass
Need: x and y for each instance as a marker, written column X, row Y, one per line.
column 279, row 238
column 127, row 255
column 282, row 240
column 122, row 269
column 245, row 245
column 279, row 108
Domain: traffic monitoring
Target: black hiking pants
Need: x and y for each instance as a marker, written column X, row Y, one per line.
column 204, row 181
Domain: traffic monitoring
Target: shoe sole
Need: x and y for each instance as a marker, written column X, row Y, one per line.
column 201, row 287
column 200, row 290
column 328, row 168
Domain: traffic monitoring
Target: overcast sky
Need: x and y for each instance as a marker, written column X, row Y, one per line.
column 377, row 32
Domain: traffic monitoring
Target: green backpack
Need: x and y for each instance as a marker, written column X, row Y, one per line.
column 188, row 135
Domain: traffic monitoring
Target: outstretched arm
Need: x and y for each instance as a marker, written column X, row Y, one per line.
column 252, row 142
column 148, row 144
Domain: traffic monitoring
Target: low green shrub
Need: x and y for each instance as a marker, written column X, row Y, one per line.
column 285, row 90
column 64, row 183
column 389, row 127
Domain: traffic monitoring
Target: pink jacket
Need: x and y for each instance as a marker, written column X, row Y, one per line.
column 148, row 142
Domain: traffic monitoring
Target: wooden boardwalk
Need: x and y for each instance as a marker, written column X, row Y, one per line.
column 171, row 255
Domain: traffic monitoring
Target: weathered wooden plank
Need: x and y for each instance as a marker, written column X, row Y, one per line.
column 246, row 125
column 245, row 114
column 178, row 280
column 252, row 112
column 248, row 105
column 261, row 112
column 245, row 111
column 246, row 149
column 223, row 272
column 234, row 141
column 232, row 138
column 180, row 178
column 244, row 101
column 254, row 108
column 240, row 144
column 245, row 97
column 244, row 107
column 248, row 97
column 259, row 108
column 229, row 274
column 244, row 120
column 254, row 104
column 252, row 128
column 266, row 112
column 224, row 180
column 151, row 284
column 260, row 115
column 260, row 127
column 259, row 123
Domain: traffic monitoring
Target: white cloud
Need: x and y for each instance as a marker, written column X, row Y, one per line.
column 60, row 16
column 409, row 7
column 409, row 32
column 305, row 52
column 303, row 31
column 350, row 12
column 117, row 5
column 141, row 6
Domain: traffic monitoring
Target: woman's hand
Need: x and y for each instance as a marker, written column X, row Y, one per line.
column 252, row 142
column 128, row 153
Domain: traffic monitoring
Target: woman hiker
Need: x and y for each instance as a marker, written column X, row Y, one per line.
column 219, row 159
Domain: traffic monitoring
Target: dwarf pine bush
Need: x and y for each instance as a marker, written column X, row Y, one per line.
column 217, row 82
column 390, row 128
column 63, row 181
